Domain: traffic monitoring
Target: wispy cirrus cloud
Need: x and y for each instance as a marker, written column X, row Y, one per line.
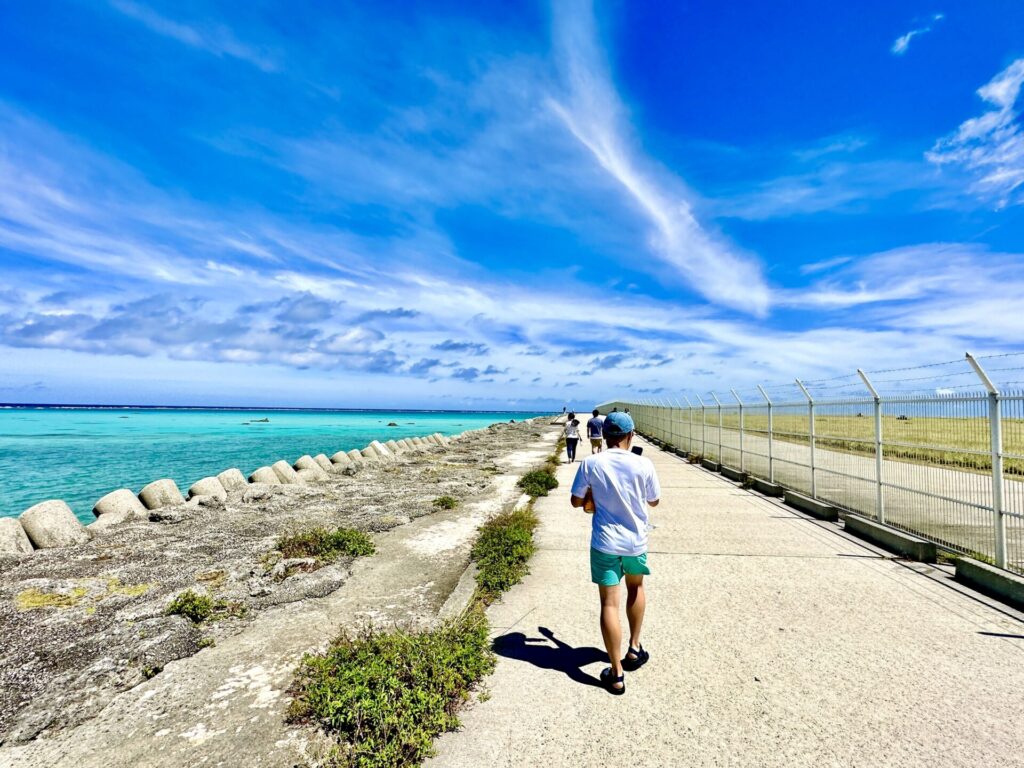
column 594, row 113
column 214, row 38
column 902, row 43
column 990, row 147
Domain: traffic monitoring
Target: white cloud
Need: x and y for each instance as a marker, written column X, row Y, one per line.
column 212, row 38
column 595, row 115
column 991, row 147
column 899, row 47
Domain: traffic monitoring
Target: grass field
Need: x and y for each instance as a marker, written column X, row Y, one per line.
column 961, row 443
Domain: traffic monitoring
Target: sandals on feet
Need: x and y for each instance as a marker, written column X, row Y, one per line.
column 635, row 658
column 609, row 681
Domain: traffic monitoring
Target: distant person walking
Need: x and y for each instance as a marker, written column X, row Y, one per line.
column 594, row 427
column 619, row 485
column 572, row 436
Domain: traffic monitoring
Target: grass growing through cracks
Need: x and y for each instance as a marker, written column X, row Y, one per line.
column 446, row 502
column 538, row 482
column 199, row 608
column 326, row 546
column 502, row 551
column 386, row 696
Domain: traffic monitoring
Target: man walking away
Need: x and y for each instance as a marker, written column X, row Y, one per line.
column 622, row 486
column 594, row 427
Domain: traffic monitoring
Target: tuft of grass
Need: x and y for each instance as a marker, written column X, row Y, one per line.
column 502, row 551
column 326, row 546
column 538, row 482
column 199, row 608
column 446, row 502
column 384, row 697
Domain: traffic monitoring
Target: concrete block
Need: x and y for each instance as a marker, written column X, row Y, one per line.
column 440, row 439
column 285, row 473
column 369, row 454
column 355, row 456
column 733, row 474
column 709, row 464
column 324, row 462
column 161, row 493
column 52, row 524
column 232, row 479
column 681, row 452
column 891, row 539
column 265, row 475
column 13, row 539
column 393, row 447
column 208, row 486
column 306, row 462
column 341, row 459
column 310, row 475
column 993, row 581
column 122, row 504
column 768, row 489
column 381, row 450
column 818, row 509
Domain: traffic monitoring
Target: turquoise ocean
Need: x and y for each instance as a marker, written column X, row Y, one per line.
column 80, row 454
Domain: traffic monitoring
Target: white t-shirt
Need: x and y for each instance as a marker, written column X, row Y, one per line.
column 622, row 484
column 572, row 429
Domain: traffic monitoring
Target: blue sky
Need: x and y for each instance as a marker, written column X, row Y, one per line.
column 500, row 204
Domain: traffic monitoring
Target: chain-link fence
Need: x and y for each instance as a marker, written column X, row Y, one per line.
column 935, row 450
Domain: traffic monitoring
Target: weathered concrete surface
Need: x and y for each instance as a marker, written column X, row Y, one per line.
column 986, row 578
column 52, row 524
column 775, row 640
column 232, row 479
column 121, row 503
column 161, row 493
column 208, row 486
column 285, row 473
column 894, row 540
column 265, row 475
column 225, row 705
column 13, row 539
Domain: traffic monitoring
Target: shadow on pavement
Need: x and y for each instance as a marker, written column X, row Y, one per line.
column 562, row 657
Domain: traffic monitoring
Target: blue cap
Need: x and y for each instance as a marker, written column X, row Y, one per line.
column 616, row 424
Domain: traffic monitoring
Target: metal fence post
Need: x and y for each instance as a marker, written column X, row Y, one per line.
column 689, row 428
column 810, row 430
column 995, row 418
column 771, row 463
column 703, row 427
column 879, row 495
column 718, row 403
column 740, row 404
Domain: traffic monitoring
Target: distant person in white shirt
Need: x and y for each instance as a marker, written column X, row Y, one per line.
column 572, row 436
column 619, row 485
column 594, row 428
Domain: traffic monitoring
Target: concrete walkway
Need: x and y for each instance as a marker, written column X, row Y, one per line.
column 775, row 640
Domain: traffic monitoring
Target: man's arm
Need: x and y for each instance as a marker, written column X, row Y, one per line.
column 654, row 503
column 580, row 484
column 653, row 488
column 577, row 502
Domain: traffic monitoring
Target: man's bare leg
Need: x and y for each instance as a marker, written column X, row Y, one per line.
column 611, row 630
column 636, row 603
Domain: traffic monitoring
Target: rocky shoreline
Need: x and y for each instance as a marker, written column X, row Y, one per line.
column 85, row 623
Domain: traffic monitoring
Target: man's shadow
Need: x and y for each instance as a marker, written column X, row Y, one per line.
column 562, row 657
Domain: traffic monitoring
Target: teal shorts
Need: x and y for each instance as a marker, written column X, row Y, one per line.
column 606, row 570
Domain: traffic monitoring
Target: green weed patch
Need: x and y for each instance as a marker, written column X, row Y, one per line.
column 386, row 696
column 538, row 482
column 199, row 608
column 503, row 550
column 326, row 546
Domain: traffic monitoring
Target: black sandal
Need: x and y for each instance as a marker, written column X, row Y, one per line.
column 609, row 682
column 640, row 657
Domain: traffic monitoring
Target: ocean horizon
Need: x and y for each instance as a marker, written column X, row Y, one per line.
column 79, row 453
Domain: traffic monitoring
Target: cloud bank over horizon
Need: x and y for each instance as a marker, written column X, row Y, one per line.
column 480, row 208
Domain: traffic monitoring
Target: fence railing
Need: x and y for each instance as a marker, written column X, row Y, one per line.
column 944, row 465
